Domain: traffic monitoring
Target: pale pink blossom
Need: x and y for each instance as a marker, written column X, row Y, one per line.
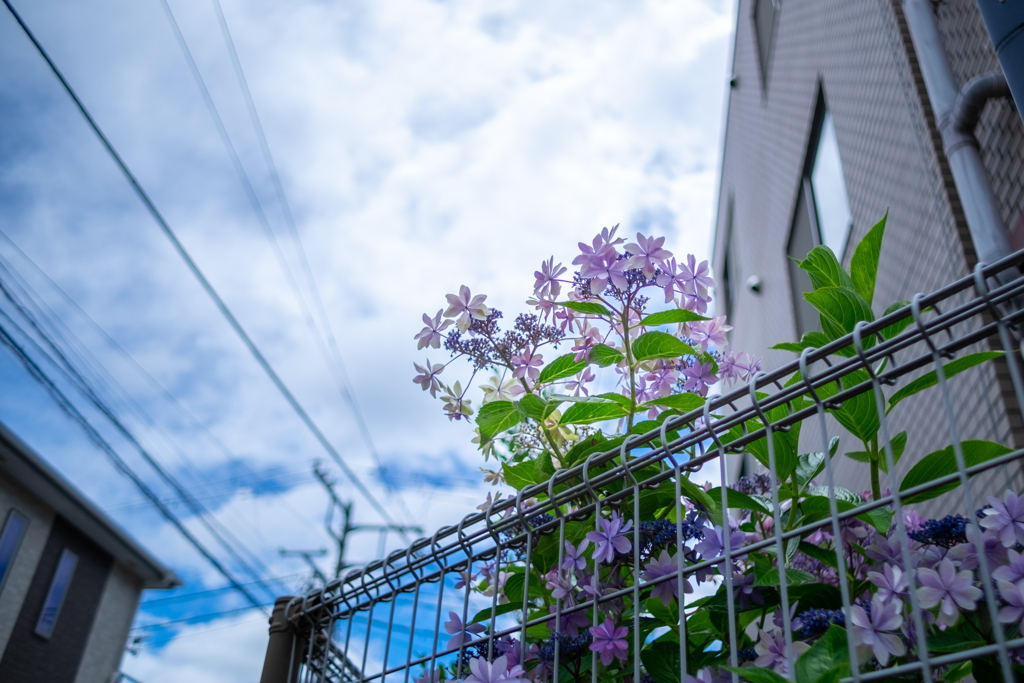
column 527, row 365
column 547, row 278
column 431, row 334
column 427, row 378
column 467, row 307
column 647, row 253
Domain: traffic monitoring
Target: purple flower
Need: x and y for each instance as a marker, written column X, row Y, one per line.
column 875, row 630
column 666, row 591
column 604, row 268
column 886, row 550
column 891, row 582
column 699, row 377
column 497, row 672
column 610, row 539
column 771, row 651
column 573, row 558
column 1014, row 596
column 547, row 278
column 713, row 544
column 467, row 307
column 571, row 623
column 465, row 578
column 647, row 254
column 431, row 334
column 1014, row 569
column 579, row 383
column 527, row 365
column 744, row 591
column 431, row 676
column 966, row 554
column 947, row 588
column 1006, row 518
column 610, row 642
column 696, row 277
column 672, row 279
column 428, row 376
column 710, row 332
column 461, row 634
column 559, row 585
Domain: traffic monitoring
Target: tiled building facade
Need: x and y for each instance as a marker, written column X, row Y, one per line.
column 801, row 69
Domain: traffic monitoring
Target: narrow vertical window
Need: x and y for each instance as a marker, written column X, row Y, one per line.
column 10, row 541
column 802, row 238
column 58, row 591
column 766, row 13
column 834, row 218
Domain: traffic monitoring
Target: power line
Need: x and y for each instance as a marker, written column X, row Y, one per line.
column 62, row 401
column 66, row 368
column 213, row 591
column 71, row 337
column 194, row 268
column 332, row 357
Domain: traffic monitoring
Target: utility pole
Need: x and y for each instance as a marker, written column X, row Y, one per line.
column 340, row 531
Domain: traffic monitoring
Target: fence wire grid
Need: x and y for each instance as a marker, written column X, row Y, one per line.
column 387, row 621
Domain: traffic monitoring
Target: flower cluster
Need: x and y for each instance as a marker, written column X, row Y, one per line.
column 613, row 310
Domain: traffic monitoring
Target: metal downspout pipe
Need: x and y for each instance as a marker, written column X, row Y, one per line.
column 984, row 219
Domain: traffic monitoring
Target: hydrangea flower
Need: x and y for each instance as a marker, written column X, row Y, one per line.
column 744, row 591
column 610, row 642
column 606, row 268
column 460, row 633
column 1013, row 570
column 573, row 557
column 948, row 589
column 648, row 254
column 466, row 307
column 1005, row 518
column 482, row 671
column 547, row 278
column 891, row 582
column 699, row 377
column 665, row 565
column 1013, row 611
column 579, row 383
column 875, row 630
column 427, row 379
column 713, row 544
column 610, row 539
column 966, row 554
column 429, row 676
column 431, row 334
column 771, row 651
column 710, row 332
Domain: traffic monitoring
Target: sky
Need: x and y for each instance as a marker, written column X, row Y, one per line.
column 422, row 145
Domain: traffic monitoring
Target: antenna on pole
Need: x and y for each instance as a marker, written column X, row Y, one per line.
column 340, row 529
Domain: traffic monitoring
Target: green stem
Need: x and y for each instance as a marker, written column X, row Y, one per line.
column 876, row 487
column 543, row 427
column 629, row 362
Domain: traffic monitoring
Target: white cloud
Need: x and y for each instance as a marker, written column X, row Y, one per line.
column 423, row 144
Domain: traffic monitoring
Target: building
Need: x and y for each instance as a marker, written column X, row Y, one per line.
column 70, row 580
column 830, row 124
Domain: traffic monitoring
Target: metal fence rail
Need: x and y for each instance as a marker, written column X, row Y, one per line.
column 387, row 621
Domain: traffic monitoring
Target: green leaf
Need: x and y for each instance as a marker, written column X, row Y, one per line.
column 840, row 310
column 520, row 476
column 899, row 444
column 676, row 315
column 754, row 674
column 738, row 500
column 858, row 414
column 533, row 406
column 616, row 398
column 859, row 456
column 794, row 577
column 812, row 340
column 825, row 270
column 942, row 463
column 684, row 403
column 816, row 507
column 651, row 345
column 818, row 553
column 603, row 355
column 584, row 448
column 950, row 369
column 560, row 368
column 892, row 330
column 661, row 660
column 864, row 264
column 964, row 636
column 585, row 307
column 810, row 465
column 515, row 605
column 495, row 417
column 960, row 670
column 697, row 495
column 829, row 652
column 842, row 495
column 588, row 413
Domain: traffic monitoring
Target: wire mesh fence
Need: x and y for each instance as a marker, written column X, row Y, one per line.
column 782, row 574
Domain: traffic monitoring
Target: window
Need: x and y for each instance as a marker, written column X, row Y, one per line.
column 766, row 13
column 834, row 219
column 58, row 591
column 727, row 290
column 822, row 213
column 10, row 541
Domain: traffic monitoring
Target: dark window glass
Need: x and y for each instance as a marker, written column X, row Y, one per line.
column 802, row 239
column 10, row 541
column 58, row 591
column 834, row 218
column 727, row 291
column 766, row 13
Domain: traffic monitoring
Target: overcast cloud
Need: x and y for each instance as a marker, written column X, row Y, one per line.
column 423, row 145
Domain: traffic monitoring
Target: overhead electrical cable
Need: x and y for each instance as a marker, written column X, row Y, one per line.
column 331, row 355
column 207, row 286
column 69, row 408
column 184, row 597
column 70, row 337
column 195, row 506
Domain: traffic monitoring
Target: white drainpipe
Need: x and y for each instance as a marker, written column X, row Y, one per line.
column 991, row 240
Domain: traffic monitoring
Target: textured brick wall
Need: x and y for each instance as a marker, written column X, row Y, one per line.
column 892, row 160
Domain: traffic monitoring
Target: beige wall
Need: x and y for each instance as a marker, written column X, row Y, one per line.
column 110, row 628
column 17, row 584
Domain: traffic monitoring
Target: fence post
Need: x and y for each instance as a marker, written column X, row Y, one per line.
column 284, row 649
